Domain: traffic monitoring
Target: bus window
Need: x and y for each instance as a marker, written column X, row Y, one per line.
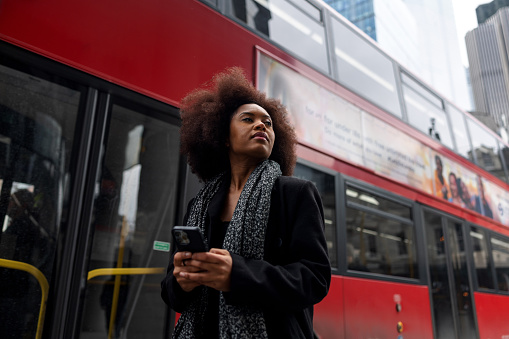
column 364, row 69
column 211, row 2
column 450, row 286
column 485, row 151
column 325, row 184
column 443, row 309
column 425, row 111
column 456, row 245
column 134, row 210
column 481, row 259
column 504, row 153
column 500, row 252
column 370, row 200
column 38, row 114
column 377, row 241
column 459, row 130
column 287, row 25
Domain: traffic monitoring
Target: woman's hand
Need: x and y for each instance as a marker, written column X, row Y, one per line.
column 180, row 263
column 212, row 269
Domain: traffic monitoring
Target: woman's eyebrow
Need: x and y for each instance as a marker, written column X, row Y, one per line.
column 247, row 113
column 253, row 114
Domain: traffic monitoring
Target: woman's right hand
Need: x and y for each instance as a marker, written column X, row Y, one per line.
column 179, row 263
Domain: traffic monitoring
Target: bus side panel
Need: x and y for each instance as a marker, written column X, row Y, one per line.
column 492, row 315
column 329, row 318
column 371, row 312
column 162, row 49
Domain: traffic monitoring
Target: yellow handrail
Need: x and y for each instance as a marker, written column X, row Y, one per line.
column 43, row 282
column 118, row 272
column 125, row 271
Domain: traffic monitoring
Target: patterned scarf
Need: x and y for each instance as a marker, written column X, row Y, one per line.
column 245, row 236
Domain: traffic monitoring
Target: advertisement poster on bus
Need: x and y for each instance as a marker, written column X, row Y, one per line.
column 455, row 183
column 495, row 201
column 320, row 117
column 395, row 154
column 329, row 122
column 325, row 120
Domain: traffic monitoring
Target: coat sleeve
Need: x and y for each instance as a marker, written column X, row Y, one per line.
column 171, row 292
column 300, row 276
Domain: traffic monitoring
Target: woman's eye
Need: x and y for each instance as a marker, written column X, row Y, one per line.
column 268, row 123
column 247, row 119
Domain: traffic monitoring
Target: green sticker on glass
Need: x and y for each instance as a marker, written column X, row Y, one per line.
column 161, row 246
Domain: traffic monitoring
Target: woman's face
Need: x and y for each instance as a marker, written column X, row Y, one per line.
column 251, row 133
column 481, row 187
column 438, row 163
column 453, row 185
column 464, row 189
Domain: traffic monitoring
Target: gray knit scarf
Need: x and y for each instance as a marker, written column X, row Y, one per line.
column 245, row 236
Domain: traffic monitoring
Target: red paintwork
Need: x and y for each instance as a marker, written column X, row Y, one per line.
column 492, row 315
column 370, row 309
column 328, row 320
column 365, row 308
column 159, row 48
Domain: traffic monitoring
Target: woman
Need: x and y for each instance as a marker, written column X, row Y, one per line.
column 465, row 194
column 268, row 263
column 481, row 202
column 440, row 184
column 455, row 190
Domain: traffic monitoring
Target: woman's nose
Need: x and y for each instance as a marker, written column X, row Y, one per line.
column 260, row 125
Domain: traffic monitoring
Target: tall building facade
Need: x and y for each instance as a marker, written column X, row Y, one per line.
column 420, row 34
column 486, row 11
column 488, row 52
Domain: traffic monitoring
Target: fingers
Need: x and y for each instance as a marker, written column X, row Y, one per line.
column 216, row 268
column 182, row 266
column 186, row 284
column 214, row 256
column 212, row 269
column 180, row 258
column 218, row 280
column 219, row 251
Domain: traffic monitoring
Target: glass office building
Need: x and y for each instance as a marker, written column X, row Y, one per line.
column 489, row 68
column 486, row 11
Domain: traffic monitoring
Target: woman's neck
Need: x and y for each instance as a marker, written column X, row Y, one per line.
column 241, row 169
column 239, row 176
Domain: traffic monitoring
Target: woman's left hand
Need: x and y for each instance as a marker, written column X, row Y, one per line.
column 215, row 269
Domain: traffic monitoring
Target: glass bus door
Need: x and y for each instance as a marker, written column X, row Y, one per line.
column 38, row 116
column 451, row 288
column 134, row 210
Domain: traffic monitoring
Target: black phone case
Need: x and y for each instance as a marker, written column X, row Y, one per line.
column 189, row 239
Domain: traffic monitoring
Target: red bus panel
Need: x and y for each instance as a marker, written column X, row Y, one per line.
column 371, row 309
column 328, row 321
column 492, row 315
column 152, row 47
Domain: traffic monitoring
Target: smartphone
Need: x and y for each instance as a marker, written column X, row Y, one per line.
column 189, row 238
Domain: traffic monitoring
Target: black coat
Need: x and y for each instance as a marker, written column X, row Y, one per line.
column 295, row 273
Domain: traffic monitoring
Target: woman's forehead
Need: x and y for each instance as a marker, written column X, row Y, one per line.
column 251, row 108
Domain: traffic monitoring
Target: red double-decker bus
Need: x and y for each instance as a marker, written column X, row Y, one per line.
column 414, row 189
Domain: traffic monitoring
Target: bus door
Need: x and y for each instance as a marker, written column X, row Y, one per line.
column 38, row 116
column 450, row 286
column 134, row 210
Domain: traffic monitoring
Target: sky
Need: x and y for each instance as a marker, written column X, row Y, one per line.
column 466, row 20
